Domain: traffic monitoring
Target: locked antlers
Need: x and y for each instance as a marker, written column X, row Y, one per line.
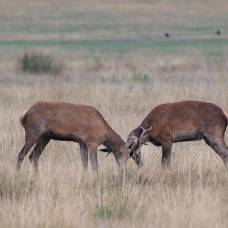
column 143, row 133
column 139, row 140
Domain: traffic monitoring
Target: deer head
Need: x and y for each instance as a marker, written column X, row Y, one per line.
column 135, row 140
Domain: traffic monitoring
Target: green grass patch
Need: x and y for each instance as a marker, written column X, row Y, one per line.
column 141, row 78
column 108, row 211
column 208, row 47
column 115, row 206
column 104, row 212
column 37, row 63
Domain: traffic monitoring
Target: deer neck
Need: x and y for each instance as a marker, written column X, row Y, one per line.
column 113, row 142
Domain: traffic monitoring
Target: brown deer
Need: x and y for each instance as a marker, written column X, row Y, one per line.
column 69, row 122
column 178, row 122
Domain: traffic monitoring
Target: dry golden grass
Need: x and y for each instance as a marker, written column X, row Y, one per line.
column 124, row 87
column 192, row 194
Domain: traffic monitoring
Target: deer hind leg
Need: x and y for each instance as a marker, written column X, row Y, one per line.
column 84, row 155
column 219, row 146
column 29, row 142
column 35, row 154
column 166, row 155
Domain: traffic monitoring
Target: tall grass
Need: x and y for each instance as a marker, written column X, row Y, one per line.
column 192, row 194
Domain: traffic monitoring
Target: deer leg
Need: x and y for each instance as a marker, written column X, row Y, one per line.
column 29, row 142
column 92, row 149
column 219, row 146
column 166, row 155
column 84, row 155
column 35, row 154
column 122, row 168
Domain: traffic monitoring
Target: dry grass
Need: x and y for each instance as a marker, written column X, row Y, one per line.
column 124, row 87
column 192, row 194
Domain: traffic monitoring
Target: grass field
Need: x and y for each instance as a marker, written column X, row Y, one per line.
column 116, row 26
column 117, row 59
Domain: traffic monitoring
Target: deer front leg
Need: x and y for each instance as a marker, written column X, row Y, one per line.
column 121, row 161
column 166, row 155
column 92, row 149
column 84, row 155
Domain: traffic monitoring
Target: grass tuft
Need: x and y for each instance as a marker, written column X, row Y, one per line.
column 115, row 206
column 141, row 78
column 38, row 63
column 104, row 212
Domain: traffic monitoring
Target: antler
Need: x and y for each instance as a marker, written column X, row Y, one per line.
column 138, row 139
column 143, row 132
column 135, row 138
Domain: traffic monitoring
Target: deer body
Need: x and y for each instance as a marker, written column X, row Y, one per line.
column 181, row 121
column 45, row 121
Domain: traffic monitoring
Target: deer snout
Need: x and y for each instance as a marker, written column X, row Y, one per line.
column 136, row 156
column 132, row 142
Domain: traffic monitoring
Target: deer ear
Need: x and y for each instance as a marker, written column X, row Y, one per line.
column 103, row 150
column 106, row 150
column 129, row 146
column 129, row 143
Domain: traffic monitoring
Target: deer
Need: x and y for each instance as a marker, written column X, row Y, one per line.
column 45, row 121
column 180, row 121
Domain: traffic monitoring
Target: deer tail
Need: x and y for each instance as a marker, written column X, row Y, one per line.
column 226, row 115
column 22, row 117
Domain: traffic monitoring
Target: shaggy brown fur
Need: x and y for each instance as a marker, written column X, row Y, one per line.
column 69, row 122
column 181, row 121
